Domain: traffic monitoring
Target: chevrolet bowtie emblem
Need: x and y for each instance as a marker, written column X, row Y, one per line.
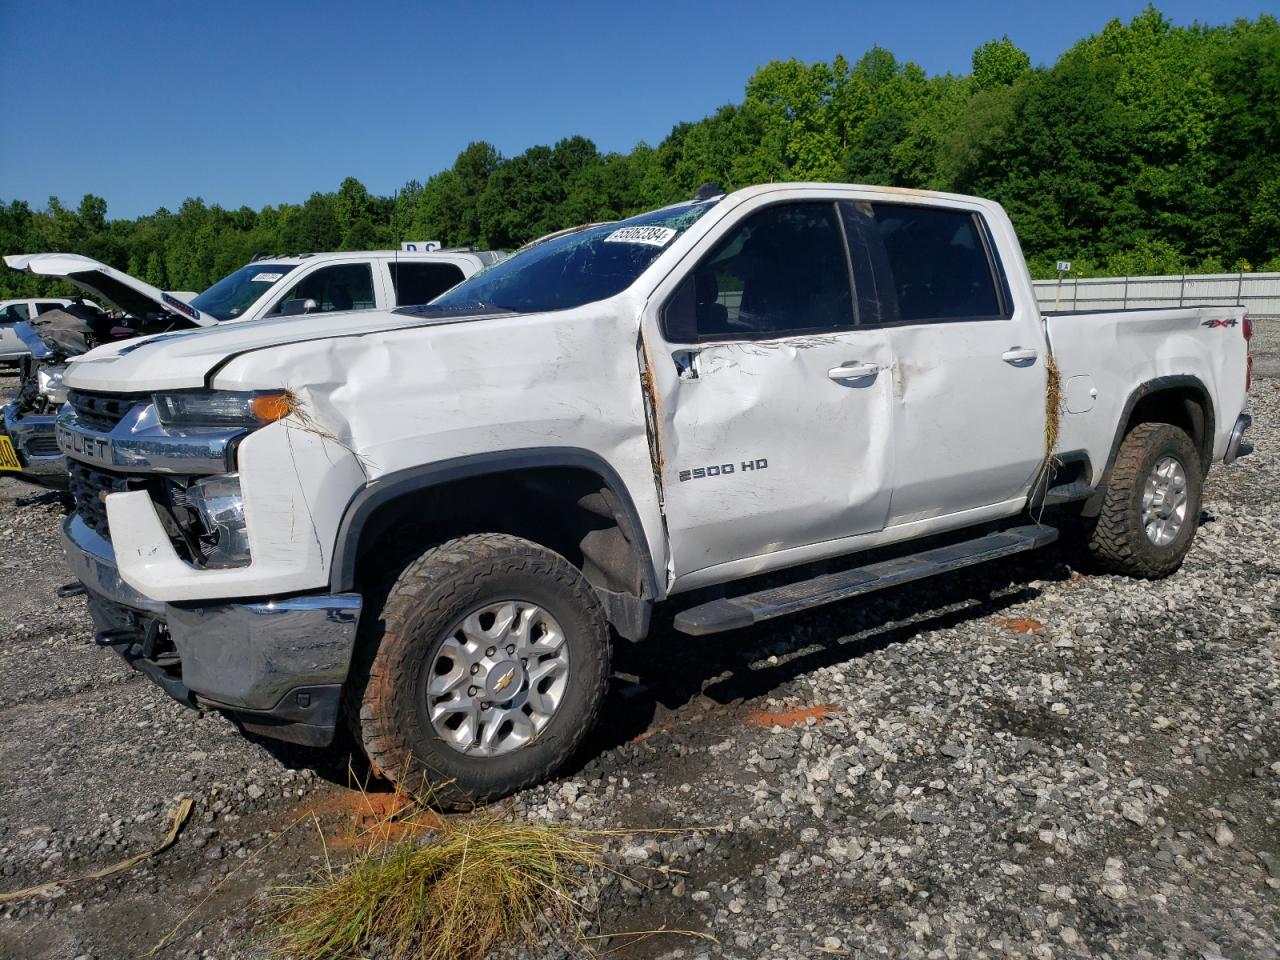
column 504, row 681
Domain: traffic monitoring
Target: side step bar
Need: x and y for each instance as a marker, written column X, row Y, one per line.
column 733, row 613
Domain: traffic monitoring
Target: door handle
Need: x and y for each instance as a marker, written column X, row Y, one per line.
column 1019, row 356
column 853, row 371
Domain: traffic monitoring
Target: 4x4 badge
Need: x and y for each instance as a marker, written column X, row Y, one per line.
column 1211, row 324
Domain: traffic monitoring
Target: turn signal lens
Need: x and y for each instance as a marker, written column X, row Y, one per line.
column 270, row 407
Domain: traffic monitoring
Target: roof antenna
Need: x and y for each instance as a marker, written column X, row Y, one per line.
column 708, row 190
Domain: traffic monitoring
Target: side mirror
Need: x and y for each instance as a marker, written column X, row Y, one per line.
column 296, row 308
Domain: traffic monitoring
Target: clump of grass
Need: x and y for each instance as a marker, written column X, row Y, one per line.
column 298, row 416
column 1053, row 407
column 1053, row 404
column 448, row 892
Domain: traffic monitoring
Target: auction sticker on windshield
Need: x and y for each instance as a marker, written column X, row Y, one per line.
column 266, row 277
column 652, row 236
column 8, row 458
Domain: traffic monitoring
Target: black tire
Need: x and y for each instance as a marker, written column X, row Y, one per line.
column 388, row 700
column 1119, row 542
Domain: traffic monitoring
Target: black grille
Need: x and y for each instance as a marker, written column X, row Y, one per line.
column 101, row 411
column 41, row 445
column 88, row 487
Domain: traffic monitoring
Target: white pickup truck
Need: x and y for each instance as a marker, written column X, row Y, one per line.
column 433, row 520
column 269, row 286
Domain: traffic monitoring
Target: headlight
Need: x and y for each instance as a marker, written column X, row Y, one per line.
column 49, row 383
column 218, row 503
column 223, row 408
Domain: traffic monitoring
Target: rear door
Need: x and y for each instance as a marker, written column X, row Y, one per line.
column 771, row 402
column 968, row 391
column 421, row 281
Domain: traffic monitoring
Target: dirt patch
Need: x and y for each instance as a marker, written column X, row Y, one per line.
column 791, row 718
column 1020, row 625
column 359, row 820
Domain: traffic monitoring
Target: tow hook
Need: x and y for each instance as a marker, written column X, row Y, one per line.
column 115, row 638
column 73, row 589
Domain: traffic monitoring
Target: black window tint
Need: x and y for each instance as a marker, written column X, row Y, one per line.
column 782, row 270
column 939, row 261
column 422, row 282
column 348, row 286
column 46, row 307
column 16, row 312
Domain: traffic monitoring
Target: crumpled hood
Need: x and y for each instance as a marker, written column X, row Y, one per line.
column 182, row 360
column 135, row 297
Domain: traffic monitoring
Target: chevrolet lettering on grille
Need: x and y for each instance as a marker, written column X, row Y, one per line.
column 80, row 447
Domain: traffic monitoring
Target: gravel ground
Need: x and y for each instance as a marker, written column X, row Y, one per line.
column 1016, row 761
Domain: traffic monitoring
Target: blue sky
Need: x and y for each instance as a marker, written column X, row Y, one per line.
column 147, row 103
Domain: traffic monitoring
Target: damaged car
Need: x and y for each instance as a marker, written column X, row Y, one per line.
column 432, row 523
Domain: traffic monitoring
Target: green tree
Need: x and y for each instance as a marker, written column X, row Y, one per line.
column 1146, row 147
column 998, row 63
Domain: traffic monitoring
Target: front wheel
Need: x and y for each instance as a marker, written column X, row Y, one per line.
column 1152, row 503
column 490, row 670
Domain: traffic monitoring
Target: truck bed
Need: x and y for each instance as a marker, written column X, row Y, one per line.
column 1103, row 355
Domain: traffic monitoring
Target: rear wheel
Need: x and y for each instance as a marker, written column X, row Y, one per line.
column 1152, row 503
column 490, row 670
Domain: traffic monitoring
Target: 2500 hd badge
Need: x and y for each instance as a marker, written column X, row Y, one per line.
column 723, row 469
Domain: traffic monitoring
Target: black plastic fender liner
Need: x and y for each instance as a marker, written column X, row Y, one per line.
column 386, row 489
column 1179, row 381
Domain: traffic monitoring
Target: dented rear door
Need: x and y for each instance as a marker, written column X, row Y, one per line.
column 968, row 384
column 769, row 403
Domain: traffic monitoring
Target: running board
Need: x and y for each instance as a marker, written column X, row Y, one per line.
column 733, row 613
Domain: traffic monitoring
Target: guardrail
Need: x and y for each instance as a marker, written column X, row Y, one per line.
column 1258, row 292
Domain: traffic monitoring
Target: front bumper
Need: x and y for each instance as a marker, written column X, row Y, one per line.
column 277, row 665
column 36, row 441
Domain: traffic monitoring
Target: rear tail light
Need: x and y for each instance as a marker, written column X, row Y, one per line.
column 1248, row 328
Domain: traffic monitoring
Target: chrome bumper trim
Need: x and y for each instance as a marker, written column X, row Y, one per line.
column 241, row 655
column 1236, row 446
column 139, row 443
column 22, row 430
column 250, row 655
column 93, row 563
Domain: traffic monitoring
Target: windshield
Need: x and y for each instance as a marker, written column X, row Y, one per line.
column 578, row 268
column 236, row 292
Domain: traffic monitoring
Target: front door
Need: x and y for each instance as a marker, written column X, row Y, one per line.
column 772, row 403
